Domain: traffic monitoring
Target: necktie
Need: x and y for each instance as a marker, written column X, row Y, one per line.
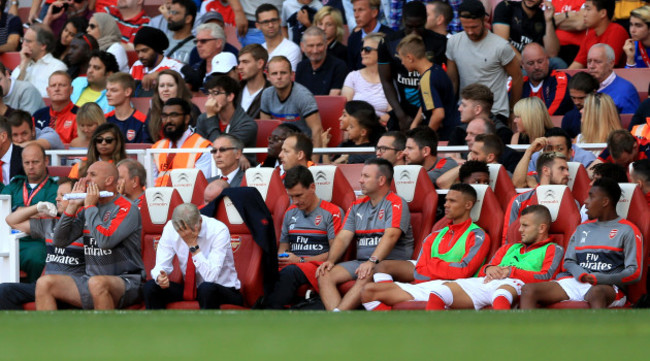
column 189, row 288
column 224, row 178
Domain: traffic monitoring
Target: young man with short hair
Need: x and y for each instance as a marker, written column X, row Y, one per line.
column 24, row 133
column 580, row 85
column 92, row 87
column 422, row 149
column 119, row 90
column 252, row 63
column 267, row 20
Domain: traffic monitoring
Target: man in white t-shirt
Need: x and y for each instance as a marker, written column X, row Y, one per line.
column 268, row 21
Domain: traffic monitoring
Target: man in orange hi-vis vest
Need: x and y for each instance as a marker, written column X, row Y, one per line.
column 175, row 119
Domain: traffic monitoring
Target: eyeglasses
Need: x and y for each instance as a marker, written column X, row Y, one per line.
column 221, row 150
column 92, row 26
column 214, row 93
column 171, row 115
column 367, row 49
column 104, row 140
column 275, row 139
column 383, row 149
column 203, row 41
column 269, row 21
column 174, row 12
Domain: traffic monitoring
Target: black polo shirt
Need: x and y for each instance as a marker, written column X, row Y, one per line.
column 330, row 75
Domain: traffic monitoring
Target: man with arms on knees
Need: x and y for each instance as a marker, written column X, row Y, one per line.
column 555, row 140
column 390, row 146
column 456, row 251
column 603, row 256
column 551, row 169
column 26, row 190
column 132, row 180
column 111, row 228
column 37, row 221
column 535, row 259
column 381, row 224
column 422, row 149
column 622, row 148
column 471, row 172
column 290, row 102
column 202, row 245
column 309, row 228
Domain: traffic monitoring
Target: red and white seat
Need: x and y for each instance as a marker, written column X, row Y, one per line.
column 578, row 181
column 501, row 184
column 269, row 183
column 190, row 184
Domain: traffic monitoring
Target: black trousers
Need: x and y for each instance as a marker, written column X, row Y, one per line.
column 210, row 295
column 14, row 295
column 289, row 280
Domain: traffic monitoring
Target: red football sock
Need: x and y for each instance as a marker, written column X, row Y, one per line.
column 501, row 303
column 435, row 303
column 383, row 307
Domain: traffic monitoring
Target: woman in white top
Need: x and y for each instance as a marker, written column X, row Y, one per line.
column 364, row 84
column 104, row 28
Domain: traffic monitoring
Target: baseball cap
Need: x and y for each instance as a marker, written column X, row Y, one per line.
column 211, row 15
column 471, row 9
column 223, row 62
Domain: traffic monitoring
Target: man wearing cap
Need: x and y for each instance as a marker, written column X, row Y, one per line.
column 150, row 43
column 181, row 18
column 477, row 55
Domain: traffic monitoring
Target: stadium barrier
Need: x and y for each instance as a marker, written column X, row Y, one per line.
column 9, row 249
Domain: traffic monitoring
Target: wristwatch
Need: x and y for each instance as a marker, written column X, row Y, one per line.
column 373, row 259
column 194, row 249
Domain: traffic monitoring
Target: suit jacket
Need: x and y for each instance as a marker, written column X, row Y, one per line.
column 235, row 182
column 16, row 165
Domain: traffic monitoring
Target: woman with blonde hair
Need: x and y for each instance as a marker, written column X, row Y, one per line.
column 364, row 84
column 531, row 120
column 89, row 117
column 103, row 27
column 637, row 48
column 170, row 84
column 599, row 118
column 329, row 20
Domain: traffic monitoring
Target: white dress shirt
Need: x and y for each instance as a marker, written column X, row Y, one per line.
column 38, row 73
column 6, row 165
column 214, row 262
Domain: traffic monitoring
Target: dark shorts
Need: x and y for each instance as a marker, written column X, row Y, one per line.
column 132, row 291
column 351, row 267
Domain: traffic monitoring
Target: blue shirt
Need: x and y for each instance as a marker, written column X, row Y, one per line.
column 134, row 127
column 79, row 84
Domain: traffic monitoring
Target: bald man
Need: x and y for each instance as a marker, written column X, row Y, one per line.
column 111, row 228
column 550, row 86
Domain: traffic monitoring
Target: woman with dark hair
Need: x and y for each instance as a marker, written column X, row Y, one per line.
column 170, row 85
column 105, row 29
column 107, row 144
column 71, row 28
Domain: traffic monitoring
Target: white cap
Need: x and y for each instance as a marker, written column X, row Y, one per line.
column 223, row 62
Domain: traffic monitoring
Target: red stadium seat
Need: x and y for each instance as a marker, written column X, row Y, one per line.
column 557, row 120
column 332, row 186
column 269, row 184
column 190, row 184
column 414, row 185
column 578, row 181
column 626, row 119
column 633, row 207
column 501, row 184
column 565, row 213
column 58, row 170
column 10, row 60
column 142, row 104
column 199, row 101
column 331, row 109
column 23, row 14
column 264, row 129
column 352, row 173
column 156, row 210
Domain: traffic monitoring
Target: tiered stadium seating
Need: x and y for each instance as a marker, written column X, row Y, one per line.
column 332, row 186
column 578, row 181
column 269, row 184
column 330, row 109
column 501, row 184
column 264, row 129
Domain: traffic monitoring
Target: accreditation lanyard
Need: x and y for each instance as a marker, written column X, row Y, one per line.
column 27, row 197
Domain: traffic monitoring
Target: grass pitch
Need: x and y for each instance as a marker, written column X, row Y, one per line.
column 268, row 335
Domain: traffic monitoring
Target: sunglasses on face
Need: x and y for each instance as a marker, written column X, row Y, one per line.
column 104, row 140
column 221, row 150
column 367, row 49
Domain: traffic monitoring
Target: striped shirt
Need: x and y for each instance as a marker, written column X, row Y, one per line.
column 128, row 27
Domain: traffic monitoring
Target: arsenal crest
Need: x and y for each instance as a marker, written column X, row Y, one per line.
column 381, row 214
column 67, row 124
column 318, row 219
column 612, row 233
column 107, row 216
column 130, row 134
column 235, row 242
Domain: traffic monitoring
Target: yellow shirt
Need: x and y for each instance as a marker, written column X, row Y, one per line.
column 88, row 96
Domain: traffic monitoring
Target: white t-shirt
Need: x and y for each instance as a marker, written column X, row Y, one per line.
column 373, row 93
column 247, row 98
column 289, row 49
column 120, row 55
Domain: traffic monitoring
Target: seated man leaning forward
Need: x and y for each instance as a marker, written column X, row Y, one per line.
column 381, row 224
column 202, row 245
column 310, row 225
column 603, row 256
column 455, row 251
column 111, row 228
column 535, row 259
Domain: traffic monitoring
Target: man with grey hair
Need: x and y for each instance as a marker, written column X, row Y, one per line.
column 205, row 258
column 210, row 41
column 36, row 60
column 227, row 153
column 321, row 73
column 600, row 64
column 132, row 180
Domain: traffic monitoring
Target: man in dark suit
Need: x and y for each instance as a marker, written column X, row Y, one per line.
column 366, row 13
column 10, row 155
column 227, row 153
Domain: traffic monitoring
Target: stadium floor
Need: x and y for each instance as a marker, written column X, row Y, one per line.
column 275, row 335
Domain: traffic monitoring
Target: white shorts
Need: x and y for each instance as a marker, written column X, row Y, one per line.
column 482, row 293
column 577, row 290
column 420, row 291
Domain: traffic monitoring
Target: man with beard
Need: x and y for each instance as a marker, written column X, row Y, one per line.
column 541, row 82
column 92, row 87
column 175, row 118
column 182, row 15
column 149, row 45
